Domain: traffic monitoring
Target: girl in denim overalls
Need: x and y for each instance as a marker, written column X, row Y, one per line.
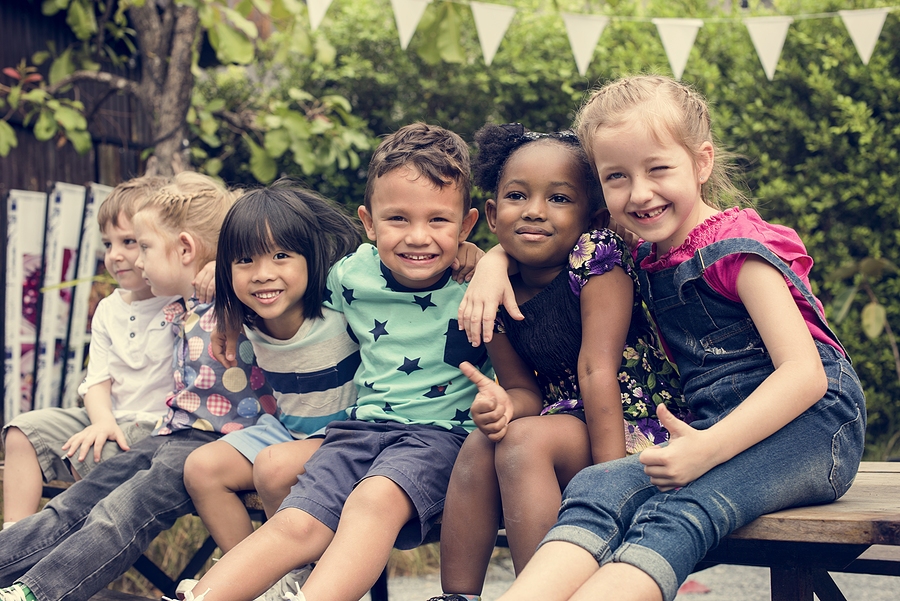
column 780, row 414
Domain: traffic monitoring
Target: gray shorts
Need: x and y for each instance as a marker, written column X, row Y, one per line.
column 417, row 458
column 49, row 429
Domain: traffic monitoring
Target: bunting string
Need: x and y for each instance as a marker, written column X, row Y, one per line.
column 767, row 33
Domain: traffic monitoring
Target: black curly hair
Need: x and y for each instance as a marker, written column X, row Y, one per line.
column 497, row 143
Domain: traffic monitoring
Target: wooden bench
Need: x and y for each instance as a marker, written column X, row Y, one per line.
column 859, row 533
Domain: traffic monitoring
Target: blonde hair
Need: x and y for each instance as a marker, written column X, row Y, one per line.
column 127, row 197
column 192, row 203
column 663, row 105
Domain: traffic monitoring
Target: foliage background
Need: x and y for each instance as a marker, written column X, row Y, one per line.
column 818, row 144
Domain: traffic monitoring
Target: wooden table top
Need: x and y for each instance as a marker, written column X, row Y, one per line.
column 868, row 514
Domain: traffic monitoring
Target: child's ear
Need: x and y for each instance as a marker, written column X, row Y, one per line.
column 705, row 162
column 187, row 248
column 490, row 213
column 468, row 223
column 367, row 221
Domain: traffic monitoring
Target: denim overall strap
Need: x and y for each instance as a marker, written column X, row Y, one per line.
column 706, row 256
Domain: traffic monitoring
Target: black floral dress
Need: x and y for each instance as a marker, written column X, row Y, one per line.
column 549, row 341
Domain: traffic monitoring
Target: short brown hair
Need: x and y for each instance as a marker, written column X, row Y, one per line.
column 127, row 197
column 436, row 153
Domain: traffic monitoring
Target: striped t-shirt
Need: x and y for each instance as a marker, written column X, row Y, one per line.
column 311, row 374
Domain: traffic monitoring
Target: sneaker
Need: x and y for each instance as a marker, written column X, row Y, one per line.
column 185, row 586
column 16, row 592
column 456, row 597
column 288, row 588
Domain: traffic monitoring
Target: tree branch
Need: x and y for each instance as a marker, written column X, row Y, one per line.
column 115, row 82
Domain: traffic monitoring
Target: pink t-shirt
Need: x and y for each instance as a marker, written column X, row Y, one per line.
column 722, row 275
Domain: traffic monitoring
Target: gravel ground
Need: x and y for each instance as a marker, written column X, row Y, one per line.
column 725, row 583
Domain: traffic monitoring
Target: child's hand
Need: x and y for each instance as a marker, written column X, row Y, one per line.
column 223, row 346
column 205, row 283
column 488, row 289
column 95, row 436
column 492, row 409
column 464, row 263
column 687, row 456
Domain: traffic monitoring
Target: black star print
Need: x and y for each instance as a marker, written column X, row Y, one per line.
column 388, row 408
column 436, row 391
column 409, row 365
column 369, row 385
column 423, row 301
column 348, row 295
column 379, row 329
column 461, row 416
column 327, row 296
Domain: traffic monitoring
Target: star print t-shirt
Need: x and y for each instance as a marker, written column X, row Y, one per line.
column 208, row 396
column 410, row 344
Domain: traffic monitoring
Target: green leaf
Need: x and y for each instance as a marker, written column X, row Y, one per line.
column 246, row 26
column 449, row 34
column 262, row 166
column 231, row 46
column 325, row 52
column 873, row 318
column 277, row 142
column 212, row 166
column 303, row 156
column 70, row 119
column 8, row 138
column 843, row 301
column 15, row 94
column 36, row 95
column 45, row 127
column 81, row 140
column 40, row 57
column 51, row 7
column 62, row 67
column 82, row 20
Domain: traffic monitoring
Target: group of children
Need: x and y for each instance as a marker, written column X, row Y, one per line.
column 353, row 392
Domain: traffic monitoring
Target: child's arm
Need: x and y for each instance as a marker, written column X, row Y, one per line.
column 488, row 289
column 205, row 283
column 464, row 264
column 606, row 303
column 796, row 384
column 494, row 405
column 223, row 346
column 98, row 404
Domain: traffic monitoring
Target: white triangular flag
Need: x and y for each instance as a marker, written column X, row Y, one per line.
column 491, row 22
column 584, row 31
column 317, row 10
column 407, row 13
column 864, row 27
column 678, row 37
column 767, row 34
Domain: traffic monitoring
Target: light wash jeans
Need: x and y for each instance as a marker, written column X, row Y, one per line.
column 93, row 532
column 613, row 512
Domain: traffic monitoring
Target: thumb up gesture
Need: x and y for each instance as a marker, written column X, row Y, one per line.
column 686, row 457
column 492, row 409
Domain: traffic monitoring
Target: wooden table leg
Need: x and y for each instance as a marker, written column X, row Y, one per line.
column 791, row 584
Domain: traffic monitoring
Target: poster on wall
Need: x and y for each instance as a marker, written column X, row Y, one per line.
column 62, row 237
column 26, row 211
column 87, row 292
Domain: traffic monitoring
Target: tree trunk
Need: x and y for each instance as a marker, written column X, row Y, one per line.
column 166, row 36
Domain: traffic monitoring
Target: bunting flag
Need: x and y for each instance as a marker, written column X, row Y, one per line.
column 864, row 27
column 584, row 32
column 767, row 34
column 491, row 23
column 317, row 10
column 678, row 37
column 408, row 13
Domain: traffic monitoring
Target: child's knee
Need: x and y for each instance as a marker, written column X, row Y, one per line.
column 201, row 467
column 16, row 441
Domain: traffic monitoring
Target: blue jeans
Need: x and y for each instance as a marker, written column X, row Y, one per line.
column 613, row 512
column 92, row 533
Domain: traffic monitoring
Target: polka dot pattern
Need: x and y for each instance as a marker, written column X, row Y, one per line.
column 245, row 352
column 206, row 379
column 191, row 322
column 269, row 404
column 234, row 379
column 231, row 427
column 188, row 401
column 248, row 407
column 208, row 321
column 257, row 378
column 195, row 347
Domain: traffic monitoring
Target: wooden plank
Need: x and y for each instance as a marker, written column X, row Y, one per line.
column 868, row 514
column 109, row 595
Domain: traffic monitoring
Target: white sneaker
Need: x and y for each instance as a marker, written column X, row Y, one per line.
column 12, row 593
column 185, row 586
column 288, row 588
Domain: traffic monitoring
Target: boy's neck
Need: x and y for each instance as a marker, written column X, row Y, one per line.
column 130, row 296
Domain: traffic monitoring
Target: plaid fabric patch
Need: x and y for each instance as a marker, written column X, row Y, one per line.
column 218, row 405
column 173, row 310
column 206, row 379
column 189, row 401
column 195, row 347
column 208, row 321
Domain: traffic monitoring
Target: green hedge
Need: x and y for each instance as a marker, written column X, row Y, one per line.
column 820, row 141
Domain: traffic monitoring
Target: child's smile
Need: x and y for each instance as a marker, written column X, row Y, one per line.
column 273, row 285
